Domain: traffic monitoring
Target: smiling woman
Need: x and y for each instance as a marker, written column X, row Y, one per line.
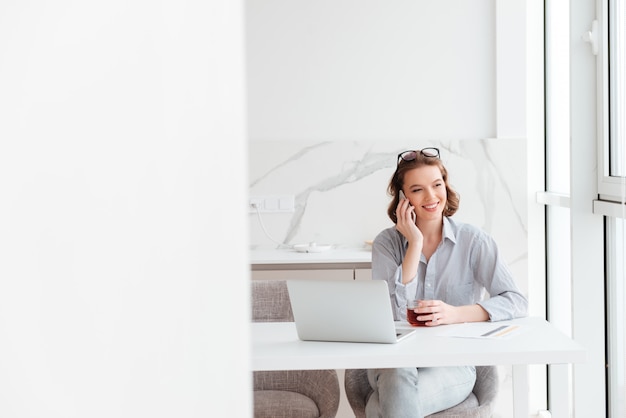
column 421, row 188
column 447, row 267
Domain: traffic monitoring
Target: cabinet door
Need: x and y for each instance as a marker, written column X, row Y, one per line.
column 339, row 274
column 363, row 274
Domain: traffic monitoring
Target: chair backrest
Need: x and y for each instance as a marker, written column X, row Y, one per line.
column 270, row 301
column 485, row 390
column 279, row 393
column 487, row 384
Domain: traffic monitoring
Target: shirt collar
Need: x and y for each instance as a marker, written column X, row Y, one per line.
column 449, row 229
column 449, row 232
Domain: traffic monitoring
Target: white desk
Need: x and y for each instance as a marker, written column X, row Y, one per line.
column 275, row 346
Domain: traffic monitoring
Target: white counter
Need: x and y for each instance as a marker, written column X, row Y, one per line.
column 335, row 258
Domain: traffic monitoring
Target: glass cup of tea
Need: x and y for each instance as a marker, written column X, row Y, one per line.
column 411, row 316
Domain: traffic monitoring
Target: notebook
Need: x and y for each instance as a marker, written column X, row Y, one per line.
column 344, row 310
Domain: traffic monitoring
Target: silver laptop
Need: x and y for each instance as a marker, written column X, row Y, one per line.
column 344, row 310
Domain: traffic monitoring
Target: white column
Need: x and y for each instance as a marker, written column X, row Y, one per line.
column 123, row 232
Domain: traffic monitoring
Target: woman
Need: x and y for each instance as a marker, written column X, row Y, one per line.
column 449, row 266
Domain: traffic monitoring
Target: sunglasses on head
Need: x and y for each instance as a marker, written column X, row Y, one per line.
column 412, row 155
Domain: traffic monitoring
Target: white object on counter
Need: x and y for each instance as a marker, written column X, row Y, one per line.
column 311, row 247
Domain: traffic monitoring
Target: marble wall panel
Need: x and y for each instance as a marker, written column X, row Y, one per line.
column 341, row 197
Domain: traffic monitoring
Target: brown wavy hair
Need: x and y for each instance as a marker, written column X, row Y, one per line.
column 397, row 181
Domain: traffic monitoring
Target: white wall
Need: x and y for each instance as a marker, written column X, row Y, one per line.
column 374, row 70
column 117, row 268
column 337, row 88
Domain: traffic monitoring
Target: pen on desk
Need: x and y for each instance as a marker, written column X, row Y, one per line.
column 505, row 331
column 486, row 334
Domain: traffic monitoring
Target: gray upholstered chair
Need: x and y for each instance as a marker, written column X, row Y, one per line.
column 478, row 404
column 294, row 393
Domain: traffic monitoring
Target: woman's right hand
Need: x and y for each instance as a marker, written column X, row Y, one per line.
column 405, row 214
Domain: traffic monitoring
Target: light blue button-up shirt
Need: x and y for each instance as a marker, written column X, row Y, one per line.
column 466, row 268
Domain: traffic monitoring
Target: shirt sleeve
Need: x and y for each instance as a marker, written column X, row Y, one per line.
column 387, row 255
column 505, row 301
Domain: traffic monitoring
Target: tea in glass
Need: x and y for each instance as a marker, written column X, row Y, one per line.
column 411, row 316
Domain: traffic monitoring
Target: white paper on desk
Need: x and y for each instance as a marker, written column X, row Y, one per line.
column 482, row 330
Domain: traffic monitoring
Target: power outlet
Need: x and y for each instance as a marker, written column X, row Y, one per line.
column 255, row 203
column 269, row 204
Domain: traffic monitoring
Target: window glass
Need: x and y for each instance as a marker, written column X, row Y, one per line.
column 616, row 225
column 616, row 298
column 558, row 163
column 617, row 90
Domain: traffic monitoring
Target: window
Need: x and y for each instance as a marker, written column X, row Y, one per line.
column 617, row 85
column 612, row 69
column 558, row 163
column 616, row 291
column 612, row 190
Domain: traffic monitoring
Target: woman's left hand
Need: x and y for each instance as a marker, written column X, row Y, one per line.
column 436, row 312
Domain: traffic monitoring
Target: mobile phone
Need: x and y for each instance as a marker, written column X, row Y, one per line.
column 402, row 196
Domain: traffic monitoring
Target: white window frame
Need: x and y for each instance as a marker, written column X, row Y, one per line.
column 586, row 244
column 610, row 200
column 612, row 195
